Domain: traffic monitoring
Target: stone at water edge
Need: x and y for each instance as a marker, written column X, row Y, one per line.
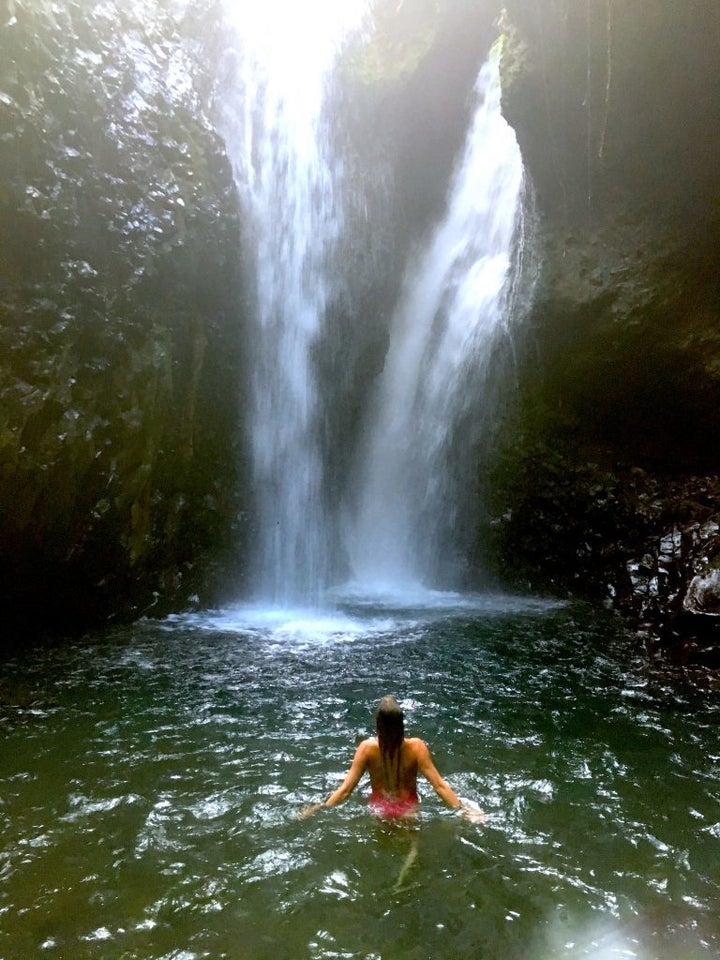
column 703, row 594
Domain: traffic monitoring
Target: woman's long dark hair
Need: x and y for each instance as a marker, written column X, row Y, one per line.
column 391, row 733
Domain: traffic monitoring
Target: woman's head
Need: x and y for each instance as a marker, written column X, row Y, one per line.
column 390, row 724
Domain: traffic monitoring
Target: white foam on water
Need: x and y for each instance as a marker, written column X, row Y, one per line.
column 412, row 595
column 353, row 614
column 289, row 625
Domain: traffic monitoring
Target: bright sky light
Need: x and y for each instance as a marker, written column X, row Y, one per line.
column 291, row 33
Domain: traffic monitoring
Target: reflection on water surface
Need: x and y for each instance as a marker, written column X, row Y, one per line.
column 151, row 779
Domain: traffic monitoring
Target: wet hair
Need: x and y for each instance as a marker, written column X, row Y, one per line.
column 391, row 733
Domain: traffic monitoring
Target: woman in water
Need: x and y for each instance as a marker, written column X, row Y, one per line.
column 393, row 762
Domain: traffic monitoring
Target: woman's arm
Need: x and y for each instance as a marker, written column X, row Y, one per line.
column 441, row 787
column 352, row 778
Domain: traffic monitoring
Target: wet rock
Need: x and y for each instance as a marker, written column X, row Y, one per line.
column 610, row 461
column 119, row 319
column 703, row 595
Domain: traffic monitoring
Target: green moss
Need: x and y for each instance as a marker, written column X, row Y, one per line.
column 400, row 38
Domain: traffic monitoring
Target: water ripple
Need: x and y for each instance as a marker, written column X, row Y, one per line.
column 151, row 809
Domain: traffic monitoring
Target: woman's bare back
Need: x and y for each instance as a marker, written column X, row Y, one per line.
column 414, row 758
column 383, row 782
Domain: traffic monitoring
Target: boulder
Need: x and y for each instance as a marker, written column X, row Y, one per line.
column 703, row 594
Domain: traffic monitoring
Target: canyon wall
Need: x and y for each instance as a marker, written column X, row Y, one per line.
column 608, row 482
column 119, row 300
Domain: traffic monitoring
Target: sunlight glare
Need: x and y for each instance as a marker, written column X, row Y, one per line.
column 291, row 36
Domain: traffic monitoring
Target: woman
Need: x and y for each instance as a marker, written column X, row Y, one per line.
column 393, row 762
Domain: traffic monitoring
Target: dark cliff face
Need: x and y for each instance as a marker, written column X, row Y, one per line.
column 118, row 317
column 617, row 117
column 615, row 445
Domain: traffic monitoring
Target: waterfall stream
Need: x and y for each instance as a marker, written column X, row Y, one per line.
column 289, row 182
column 400, row 523
column 453, row 307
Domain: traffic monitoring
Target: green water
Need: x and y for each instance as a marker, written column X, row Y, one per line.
column 150, row 780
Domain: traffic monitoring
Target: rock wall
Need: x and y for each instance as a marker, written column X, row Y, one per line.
column 120, row 341
column 608, row 481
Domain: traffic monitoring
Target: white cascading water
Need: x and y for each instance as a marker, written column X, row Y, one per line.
column 453, row 307
column 273, row 124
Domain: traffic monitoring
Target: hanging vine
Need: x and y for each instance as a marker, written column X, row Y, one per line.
column 608, row 78
column 588, row 104
column 554, row 115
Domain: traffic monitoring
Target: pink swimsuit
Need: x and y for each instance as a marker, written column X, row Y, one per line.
column 392, row 808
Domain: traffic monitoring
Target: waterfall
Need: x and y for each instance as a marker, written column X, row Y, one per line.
column 403, row 522
column 289, row 183
column 408, row 514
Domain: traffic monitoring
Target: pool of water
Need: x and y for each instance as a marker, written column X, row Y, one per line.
column 151, row 777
